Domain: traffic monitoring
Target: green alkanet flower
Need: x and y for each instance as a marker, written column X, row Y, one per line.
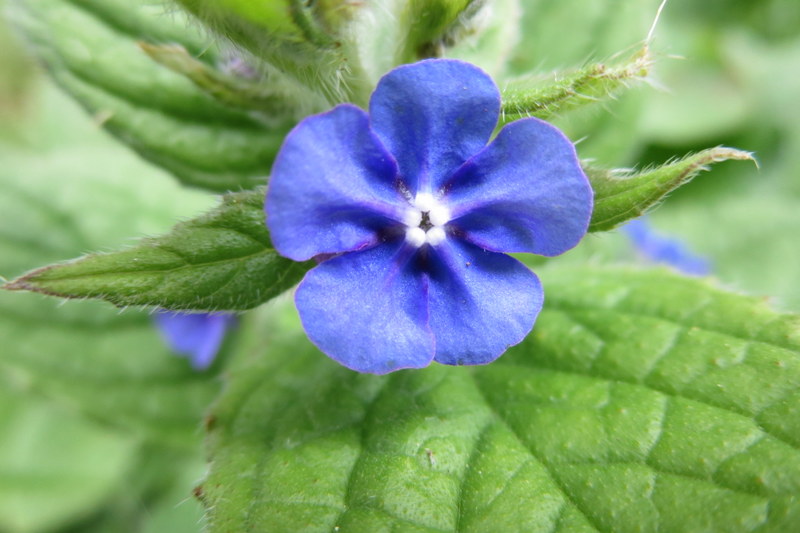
column 411, row 210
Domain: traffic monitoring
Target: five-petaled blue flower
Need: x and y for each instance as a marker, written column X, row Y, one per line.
column 413, row 213
column 197, row 336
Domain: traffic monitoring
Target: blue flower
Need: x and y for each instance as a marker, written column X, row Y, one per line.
column 666, row 250
column 418, row 212
column 197, row 336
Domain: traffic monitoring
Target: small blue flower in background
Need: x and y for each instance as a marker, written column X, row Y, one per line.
column 195, row 336
column 659, row 248
column 419, row 212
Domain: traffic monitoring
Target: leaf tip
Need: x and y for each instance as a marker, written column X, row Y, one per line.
column 737, row 155
column 19, row 284
column 26, row 282
column 723, row 153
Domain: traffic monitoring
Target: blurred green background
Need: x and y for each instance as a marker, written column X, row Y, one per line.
column 68, row 189
column 727, row 73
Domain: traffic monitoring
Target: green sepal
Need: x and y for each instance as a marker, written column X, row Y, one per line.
column 642, row 401
column 552, row 95
column 223, row 260
column 91, row 49
column 621, row 195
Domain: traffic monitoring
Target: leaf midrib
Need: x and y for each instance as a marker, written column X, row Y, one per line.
column 186, row 265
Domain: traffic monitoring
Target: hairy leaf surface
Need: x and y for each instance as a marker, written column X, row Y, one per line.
column 642, row 401
column 547, row 97
column 621, row 196
column 223, row 260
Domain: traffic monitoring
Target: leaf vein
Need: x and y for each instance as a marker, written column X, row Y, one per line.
column 551, row 474
column 476, row 445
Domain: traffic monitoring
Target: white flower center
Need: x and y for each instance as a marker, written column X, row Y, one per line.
column 425, row 221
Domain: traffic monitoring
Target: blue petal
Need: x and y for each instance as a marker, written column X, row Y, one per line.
column 367, row 309
column 196, row 336
column 480, row 303
column 332, row 186
column 662, row 249
column 526, row 192
column 432, row 116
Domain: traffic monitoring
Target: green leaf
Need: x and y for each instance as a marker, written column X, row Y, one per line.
column 563, row 91
column 46, row 482
column 91, row 49
column 643, row 401
column 223, row 260
column 621, row 195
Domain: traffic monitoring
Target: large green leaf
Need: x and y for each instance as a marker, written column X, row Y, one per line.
column 643, row 401
column 223, row 260
column 91, row 49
